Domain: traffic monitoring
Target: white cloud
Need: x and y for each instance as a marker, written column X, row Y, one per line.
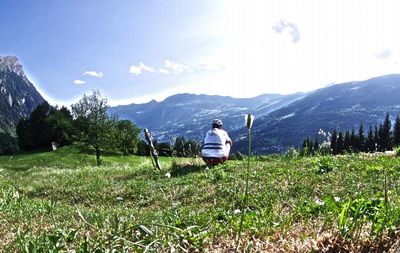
column 139, row 69
column 282, row 25
column 177, row 68
column 210, row 64
column 383, row 54
column 145, row 67
column 93, row 73
column 164, row 71
column 135, row 70
column 79, row 82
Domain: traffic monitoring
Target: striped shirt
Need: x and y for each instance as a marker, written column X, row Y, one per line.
column 215, row 144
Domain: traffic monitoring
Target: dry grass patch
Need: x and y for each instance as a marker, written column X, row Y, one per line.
column 299, row 238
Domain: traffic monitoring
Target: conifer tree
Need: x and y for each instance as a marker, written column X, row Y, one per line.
column 386, row 135
column 396, row 132
column 347, row 143
column 340, row 143
column 353, row 141
column 334, row 142
column 315, row 146
column 361, row 138
column 306, row 147
column 370, row 141
column 376, row 138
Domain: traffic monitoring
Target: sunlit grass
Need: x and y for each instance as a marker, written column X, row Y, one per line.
column 62, row 199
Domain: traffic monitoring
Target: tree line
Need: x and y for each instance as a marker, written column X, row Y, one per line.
column 180, row 147
column 88, row 125
column 379, row 138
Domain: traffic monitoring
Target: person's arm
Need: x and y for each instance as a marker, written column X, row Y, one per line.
column 228, row 140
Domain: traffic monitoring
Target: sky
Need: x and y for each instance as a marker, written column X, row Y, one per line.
column 134, row 51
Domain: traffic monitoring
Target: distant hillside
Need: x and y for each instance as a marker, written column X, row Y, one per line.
column 341, row 106
column 281, row 121
column 190, row 115
column 18, row 97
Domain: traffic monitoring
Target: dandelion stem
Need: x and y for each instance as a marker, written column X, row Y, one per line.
column 385, row 189
column 245, row 193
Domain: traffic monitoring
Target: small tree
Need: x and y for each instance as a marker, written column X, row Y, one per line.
column 179, row 146
column 126, row 136
column 92, row 122
column 307, row 147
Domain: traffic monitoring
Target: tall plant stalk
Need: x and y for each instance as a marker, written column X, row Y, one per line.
column 249, row 122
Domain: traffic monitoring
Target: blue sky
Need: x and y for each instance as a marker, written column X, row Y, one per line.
column 134, row 51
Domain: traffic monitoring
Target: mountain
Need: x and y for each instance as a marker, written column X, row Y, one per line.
column 18, row 96
column 342, row 106
column 281, row 121
column 190, row 115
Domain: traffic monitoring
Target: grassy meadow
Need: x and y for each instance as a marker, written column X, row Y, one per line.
column 62, row 202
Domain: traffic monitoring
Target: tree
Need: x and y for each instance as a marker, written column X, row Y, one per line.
column 8, row 144
column 92, row 122
column 376, row 139
column 396, row 132
column 33, row 132
column 347, row 143
column 179, row 146
column 353, row 141
column 142, row 148
column 370, row 141
column 126, row 136
column 164, row 149
column 306, row 148
column 192, row 148
column 315, row 146
column 334, row 142
column 340, row 143
column 386, row 141
column 59, row 126
column 361, row 138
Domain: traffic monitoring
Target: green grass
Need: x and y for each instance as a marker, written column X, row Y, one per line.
column 60, row 201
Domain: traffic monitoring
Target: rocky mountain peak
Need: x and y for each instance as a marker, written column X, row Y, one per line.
column 18, row 96
column 11, row 63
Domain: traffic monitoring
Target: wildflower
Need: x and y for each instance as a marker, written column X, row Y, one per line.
column 337, row 199
column 236, row 211
column 319, row 202
column 249, row 118
column 119, row 199
column 168, row 175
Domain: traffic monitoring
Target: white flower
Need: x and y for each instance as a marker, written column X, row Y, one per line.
column 319, row 202
column 337, row 199
column 168, row 175
column 16, row 195
column 119, row 199
column 236, row 211
column 249, row 118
